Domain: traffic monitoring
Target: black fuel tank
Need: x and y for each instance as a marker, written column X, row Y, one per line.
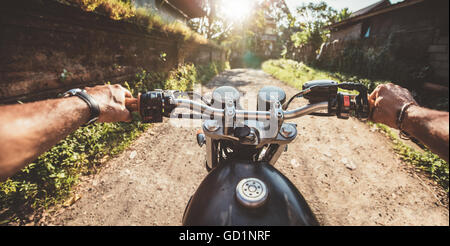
column 215, row 202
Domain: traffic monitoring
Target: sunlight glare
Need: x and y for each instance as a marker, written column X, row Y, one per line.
column 237, row 9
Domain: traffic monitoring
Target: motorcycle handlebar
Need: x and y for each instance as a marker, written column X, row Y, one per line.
column 133, row 104
column 210, row 111
column 152, row 106
column 305, row 110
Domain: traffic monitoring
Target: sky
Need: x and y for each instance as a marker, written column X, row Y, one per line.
column 353, row 5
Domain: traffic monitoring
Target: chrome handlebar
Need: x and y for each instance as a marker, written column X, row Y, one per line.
column 322, row 95
column 208, row 111
column 305, row 110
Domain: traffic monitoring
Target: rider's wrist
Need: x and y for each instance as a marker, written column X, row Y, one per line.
column 408, row 120
column 93, row 106
column 81, row 108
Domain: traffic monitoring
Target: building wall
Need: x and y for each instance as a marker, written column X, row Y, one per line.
column 422, row 28
column 439, row 58
column 348, row 33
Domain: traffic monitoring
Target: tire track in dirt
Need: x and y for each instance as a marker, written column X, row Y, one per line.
column 151, row 182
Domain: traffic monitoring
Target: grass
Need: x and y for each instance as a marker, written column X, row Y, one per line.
column 115, row 9
column 295, row 74
column 426, row 161
column 147, row 18
column 50, row 178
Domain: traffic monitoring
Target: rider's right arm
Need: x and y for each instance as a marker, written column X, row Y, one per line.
column 431, row 127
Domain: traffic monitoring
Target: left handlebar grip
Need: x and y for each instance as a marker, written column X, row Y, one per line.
column 132, row 104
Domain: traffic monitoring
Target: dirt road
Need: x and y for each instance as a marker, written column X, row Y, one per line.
column 347, row 172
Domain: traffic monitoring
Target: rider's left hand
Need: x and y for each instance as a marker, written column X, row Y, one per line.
column 111, row 99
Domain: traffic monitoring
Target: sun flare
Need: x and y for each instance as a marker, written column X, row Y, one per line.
column 237, row 9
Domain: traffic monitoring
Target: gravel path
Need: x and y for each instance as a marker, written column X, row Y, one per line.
column 346, row 171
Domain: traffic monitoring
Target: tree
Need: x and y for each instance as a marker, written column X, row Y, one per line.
column 249, row 34
column 311, row 20
column 213, row 26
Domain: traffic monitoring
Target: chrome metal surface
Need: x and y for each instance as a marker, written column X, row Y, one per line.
column 287, row 130
column 305, row 110
column 211, row 125
column 251, row 192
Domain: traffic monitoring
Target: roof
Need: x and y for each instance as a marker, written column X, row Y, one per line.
column 192, row 8
column 373, row 10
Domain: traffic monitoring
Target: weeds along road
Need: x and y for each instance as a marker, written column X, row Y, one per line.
column 347, row 172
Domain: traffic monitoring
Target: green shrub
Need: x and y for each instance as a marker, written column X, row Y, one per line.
column 49, row 179
column 144, row 17
column 294, row 73
column 425, row 161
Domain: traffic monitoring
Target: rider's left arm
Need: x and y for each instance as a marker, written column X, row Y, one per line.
column 28, row 130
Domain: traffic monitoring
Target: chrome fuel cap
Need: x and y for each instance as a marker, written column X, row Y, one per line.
column 251, row 192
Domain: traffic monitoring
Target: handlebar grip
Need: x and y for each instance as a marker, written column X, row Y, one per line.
column 132, row 104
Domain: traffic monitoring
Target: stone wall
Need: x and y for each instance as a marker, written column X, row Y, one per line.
column 47, row 47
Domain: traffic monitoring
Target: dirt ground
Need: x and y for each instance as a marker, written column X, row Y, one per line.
column 347, row 172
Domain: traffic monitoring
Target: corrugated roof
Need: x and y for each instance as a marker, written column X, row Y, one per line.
column 375, row 10
column 370, row 8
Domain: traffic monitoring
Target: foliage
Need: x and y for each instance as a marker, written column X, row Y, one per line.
column 115, row 9
column 310, row 34
column 182, row 79
column 425, row 161
column 311, row 20
column 207, row 72
column 244, row 35
column 144, row 17
column 213, row 26
column 295, row 74
column 49, row 179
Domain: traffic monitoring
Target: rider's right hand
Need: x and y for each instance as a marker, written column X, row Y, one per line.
column 386, row 101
